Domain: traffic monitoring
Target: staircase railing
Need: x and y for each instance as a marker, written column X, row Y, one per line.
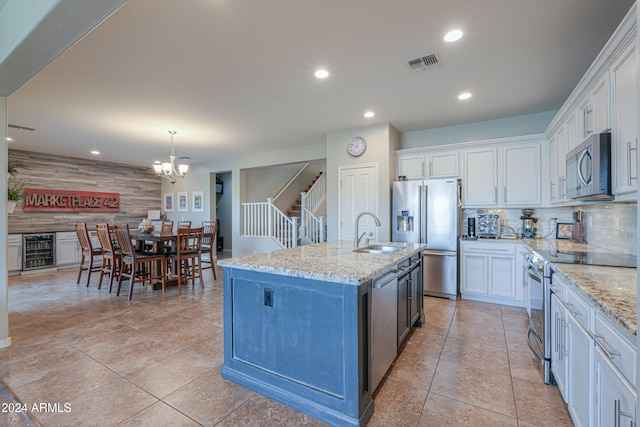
column 291, row 181
column 313, row 227
column 263, row 219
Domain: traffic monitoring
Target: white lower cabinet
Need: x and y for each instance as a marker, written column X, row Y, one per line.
column 488, row 272
column 579, row 361
column 615, row 398
column 559, row 345
column 67, row 249
column 593, row 363
column 14, row 253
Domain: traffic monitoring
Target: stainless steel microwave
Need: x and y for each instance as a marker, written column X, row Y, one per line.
column 589, row 169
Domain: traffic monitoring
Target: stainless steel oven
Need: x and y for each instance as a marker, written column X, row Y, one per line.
column 538, row 304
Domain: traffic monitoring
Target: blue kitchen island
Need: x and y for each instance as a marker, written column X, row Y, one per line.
column 298, row 325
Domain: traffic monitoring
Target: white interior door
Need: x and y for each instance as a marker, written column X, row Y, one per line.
column 358, row 192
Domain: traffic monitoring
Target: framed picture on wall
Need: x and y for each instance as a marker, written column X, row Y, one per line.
column 197, row 201
column 183, row 203
column 564, row 231
column 168, row 202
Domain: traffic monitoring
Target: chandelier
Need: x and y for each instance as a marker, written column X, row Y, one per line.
column 168, row 170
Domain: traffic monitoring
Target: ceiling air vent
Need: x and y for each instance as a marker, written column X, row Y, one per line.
column 424, row 63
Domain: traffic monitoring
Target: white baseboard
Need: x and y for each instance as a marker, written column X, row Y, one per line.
column 5, row 343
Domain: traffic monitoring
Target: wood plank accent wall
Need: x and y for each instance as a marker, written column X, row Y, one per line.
column 139, row 188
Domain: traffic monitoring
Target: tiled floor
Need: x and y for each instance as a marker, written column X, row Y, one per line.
column 155, row 361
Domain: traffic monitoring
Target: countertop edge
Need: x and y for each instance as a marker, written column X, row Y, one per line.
column 391, row 261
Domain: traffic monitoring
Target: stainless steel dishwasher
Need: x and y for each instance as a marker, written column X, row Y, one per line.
column 384, row 324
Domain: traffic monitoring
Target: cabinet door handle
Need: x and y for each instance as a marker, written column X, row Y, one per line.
column 556, row 331
column 630, row 176
column 610, row 353
column 563, row 349
column 617, row 413
column 573, row 310
column 495, row 194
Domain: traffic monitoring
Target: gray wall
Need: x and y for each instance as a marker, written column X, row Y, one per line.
column 382, row 141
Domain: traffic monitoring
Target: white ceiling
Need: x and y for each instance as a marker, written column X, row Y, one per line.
column 234, row 77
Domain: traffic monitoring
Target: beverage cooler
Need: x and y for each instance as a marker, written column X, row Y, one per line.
column 38, row 251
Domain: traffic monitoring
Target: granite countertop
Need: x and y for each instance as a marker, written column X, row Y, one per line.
column 330, row 262
column 613, row 290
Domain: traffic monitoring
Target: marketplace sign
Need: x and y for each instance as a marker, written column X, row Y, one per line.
column 43, row 200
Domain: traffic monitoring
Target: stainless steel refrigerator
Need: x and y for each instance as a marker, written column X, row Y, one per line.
column 427, row 211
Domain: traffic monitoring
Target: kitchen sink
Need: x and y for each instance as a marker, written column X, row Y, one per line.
column 379, row 249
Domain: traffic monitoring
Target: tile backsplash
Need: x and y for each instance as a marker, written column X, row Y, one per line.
column 610, row 226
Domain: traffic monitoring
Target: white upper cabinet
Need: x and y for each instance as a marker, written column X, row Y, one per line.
column 593, row 111
column 599, row 116
column 411, row 166
column 605, row 99
column 480, row 178
column 571, row 131
column 502, row 172
column 443, row 165
column 506, row 175
column 521, row 175
column 429, row 164
column 624, row 77
column 557, row 166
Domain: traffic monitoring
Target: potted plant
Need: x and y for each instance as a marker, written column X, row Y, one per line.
column 15, row 188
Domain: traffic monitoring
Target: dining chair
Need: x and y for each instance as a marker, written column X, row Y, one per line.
column 111, row 257
column 88, row 251
column 209, row 252
column 167, row 227
column 184, row 224
column 187, row 259
column 138, row 266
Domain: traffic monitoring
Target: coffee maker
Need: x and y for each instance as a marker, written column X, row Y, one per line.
column 528, row 221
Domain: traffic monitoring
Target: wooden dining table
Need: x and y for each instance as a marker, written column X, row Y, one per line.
column 158, row 240
column 157, row 237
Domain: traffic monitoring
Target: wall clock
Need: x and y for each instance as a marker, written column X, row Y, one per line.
column 356, row 146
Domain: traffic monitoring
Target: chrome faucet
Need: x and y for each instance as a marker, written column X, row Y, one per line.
column 356, row 238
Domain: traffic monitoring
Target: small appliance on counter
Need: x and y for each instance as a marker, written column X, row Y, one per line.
column 488, row 226
column 579, row 231
column 471, row 227
column 528, row 221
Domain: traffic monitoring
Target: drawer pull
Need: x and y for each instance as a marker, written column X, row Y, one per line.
column 610, row 353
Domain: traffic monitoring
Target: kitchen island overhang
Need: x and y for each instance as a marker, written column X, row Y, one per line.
column 297, row 327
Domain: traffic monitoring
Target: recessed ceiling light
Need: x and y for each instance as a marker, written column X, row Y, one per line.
column 369, row 114
column 95, row 152
column 9, row 139
column 464, row 95
column 452, row 36
column 322, row 74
